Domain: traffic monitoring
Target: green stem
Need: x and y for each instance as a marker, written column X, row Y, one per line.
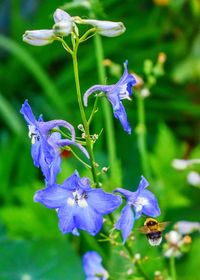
column 141, row 136
column 109, row 126
column 172, row 267
column 79, row 159
column 141, row 271
column 83, row 116
column 137, row 264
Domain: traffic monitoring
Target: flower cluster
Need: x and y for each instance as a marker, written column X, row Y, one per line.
column 66, row 24
column 177, row 244
column 79, row 205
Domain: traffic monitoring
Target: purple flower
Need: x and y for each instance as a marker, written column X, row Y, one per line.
column 115, row 93
column 46, row 147
column 93, row 267
column 78, row 205
column 138, row 202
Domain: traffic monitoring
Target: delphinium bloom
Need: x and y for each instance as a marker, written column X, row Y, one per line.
column 139, row 202
column 46, row 147
column 52, row 168
column 115, row 93
column 93, row 268
column 78, row 205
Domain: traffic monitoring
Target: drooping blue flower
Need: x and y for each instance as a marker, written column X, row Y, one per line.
column 50, row 170
column 78, row 205
column 46, row 147
column 115, row 93
column 93, row 268
column 139, row 202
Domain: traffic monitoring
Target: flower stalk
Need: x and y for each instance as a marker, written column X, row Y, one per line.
column 109, row 126
column 172, row 267
column 83, row 115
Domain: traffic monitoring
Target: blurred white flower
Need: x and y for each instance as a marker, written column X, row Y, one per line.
column 186, row 227
column 180, row 164
column 193, row 178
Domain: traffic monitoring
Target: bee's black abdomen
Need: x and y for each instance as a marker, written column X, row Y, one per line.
column 154, row 235
column 154, row 238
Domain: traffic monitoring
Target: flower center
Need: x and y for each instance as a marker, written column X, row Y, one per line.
column 140, row 202
column 79, row 198
column 124, row 93
column 33, row 134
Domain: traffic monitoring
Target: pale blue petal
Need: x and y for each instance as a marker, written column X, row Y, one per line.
column 92, row 266
column 143, row 184
column 26, row 111
column 71, row 182
column 126, row 222
column 118, row 109
column 102, row 202
column 52, row 197
column 94, row 89
column 66, row 219
column 45, row 127
column 151, row 209
column 36, row 153
column 89, row 220
column 65, row 142
column 124, row 192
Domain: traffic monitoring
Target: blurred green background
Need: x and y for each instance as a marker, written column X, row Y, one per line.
column 31, row 246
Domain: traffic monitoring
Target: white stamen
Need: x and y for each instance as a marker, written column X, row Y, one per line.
column 70, row 201
column 123, row 92
column 140, row 202
column 79, row 198
column 82, row 203
column 33, row 134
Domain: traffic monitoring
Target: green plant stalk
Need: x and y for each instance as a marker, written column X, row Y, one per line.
column 89, row 144
column 172, row 267
column 141, row 136
column 109, row 126
column 137, row 264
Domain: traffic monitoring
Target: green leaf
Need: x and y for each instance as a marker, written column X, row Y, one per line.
column 39, row 259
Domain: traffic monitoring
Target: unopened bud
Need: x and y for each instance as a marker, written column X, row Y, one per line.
column 83, row 135
column 95, row 137
column 63, row 28
column 40, row 37
column 104, row 169
column 80, row 127
column 106, row 28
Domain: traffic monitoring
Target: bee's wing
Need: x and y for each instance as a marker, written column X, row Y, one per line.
column 144, row 229
column 163, row 225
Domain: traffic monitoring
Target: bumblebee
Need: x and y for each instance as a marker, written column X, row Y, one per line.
column 153, row 230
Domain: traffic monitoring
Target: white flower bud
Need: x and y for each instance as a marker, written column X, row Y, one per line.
column 106, row 28
column 63, row 28
column 61, row 15
column 40, row 37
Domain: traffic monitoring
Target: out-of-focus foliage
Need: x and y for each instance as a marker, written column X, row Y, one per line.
column 44, row 76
